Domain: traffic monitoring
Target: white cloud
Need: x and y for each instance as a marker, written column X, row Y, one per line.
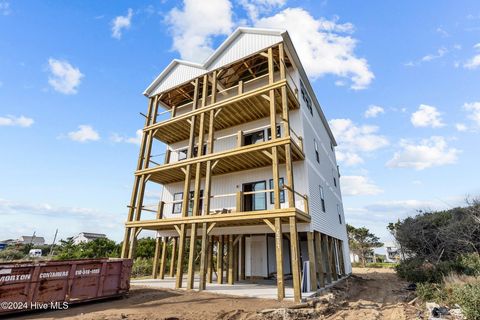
column 474, row 62
column 373, row 111
column 427, row 116
column 474, row 111
column 322, row 46
column 64, row 77
column 194, row 26
column 461, row 127
column 359, row 185
column 430, row 152
column 16, row 121
column 134, row 140
column 5, row 8
column 440, row 53
column 256, row 7
column 444, row 33
column 120, row 23
column 83, row 134
column 353, row 139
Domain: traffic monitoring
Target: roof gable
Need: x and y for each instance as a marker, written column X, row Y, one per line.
column 241, row 43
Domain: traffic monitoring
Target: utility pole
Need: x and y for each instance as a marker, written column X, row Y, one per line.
column 53, row 243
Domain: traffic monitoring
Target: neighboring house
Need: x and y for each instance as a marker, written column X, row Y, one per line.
column 249, row 168
column 84, row 237
column 390, row 251
column 36, row 241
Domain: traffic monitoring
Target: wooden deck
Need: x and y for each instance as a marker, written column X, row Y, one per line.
column 234, row 160
column 224, row 219
column 230, row 112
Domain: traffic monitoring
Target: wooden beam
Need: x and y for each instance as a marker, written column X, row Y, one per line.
column 181, row 247
column 177, row 229
column 191, row 256
column 173, row 258
column 163, row 259
column 210, row 259
column 220, row 260
column 312, row 261
column 203, row 258
column 328, row 257
column 270, row 225
column 230, row 259
column 342, row 261
column 295, row 257
column 333, row 253
column 242, row 258
column 210, row 228
column 319, row 259
column 156, row 257
column 279, row 259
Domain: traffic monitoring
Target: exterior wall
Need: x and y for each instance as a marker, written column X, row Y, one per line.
column 322, row 174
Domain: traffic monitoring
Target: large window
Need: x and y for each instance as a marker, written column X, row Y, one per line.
column 253, row 198
column 282, row 192
column 182, row 154
column 306, row 97
column 322, row 198
column 177, row 205
column 317, row 154
column 190, row 203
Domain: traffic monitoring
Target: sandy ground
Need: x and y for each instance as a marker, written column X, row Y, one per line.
column 369, row 294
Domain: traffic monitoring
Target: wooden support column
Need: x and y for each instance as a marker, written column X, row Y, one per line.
column 242, row 258
column 230, row 259
column 196, row 198
column 173, row 258
column 203, row 258
column 286, row 130
column 163, row 258
column 136, row 184
column 220, row 260
column 158, row 242
column 333, row 258
column 328, row 258
column 295, row 257
column 342, row 261
column 319, row 259
column 279, row 259
column 186, row 191
column 210, row 259
column 235, row 261
column 273, row 125
column 312, row 261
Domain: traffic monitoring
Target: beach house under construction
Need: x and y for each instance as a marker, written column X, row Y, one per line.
column 250, row 182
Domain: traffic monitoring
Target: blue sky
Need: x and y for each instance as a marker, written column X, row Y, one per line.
column 72, row 76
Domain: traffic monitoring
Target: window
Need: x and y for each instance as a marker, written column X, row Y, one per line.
column 269, row 133
column 282, row 192
column 339, row 214
column 322, row 198
column 190, row 202
column 306, row 97
column 317, row 155
column 253, row 200
column 195, row 150
column 254, row 137
column 177, row 204
column 334, row 178
column 182, row 154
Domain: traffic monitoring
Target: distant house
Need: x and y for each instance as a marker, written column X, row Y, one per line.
column 36, row 241
column 84, row 237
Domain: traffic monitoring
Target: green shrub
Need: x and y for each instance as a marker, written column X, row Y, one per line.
column 420, row 271
column 468, row 297
column 142, row 267
column 469, row 264
column 11, row 254
column 381, row 265
column 431, row 292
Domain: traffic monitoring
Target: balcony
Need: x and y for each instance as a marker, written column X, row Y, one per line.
column 227, row 210
column 232, row 160
column 242, row 103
